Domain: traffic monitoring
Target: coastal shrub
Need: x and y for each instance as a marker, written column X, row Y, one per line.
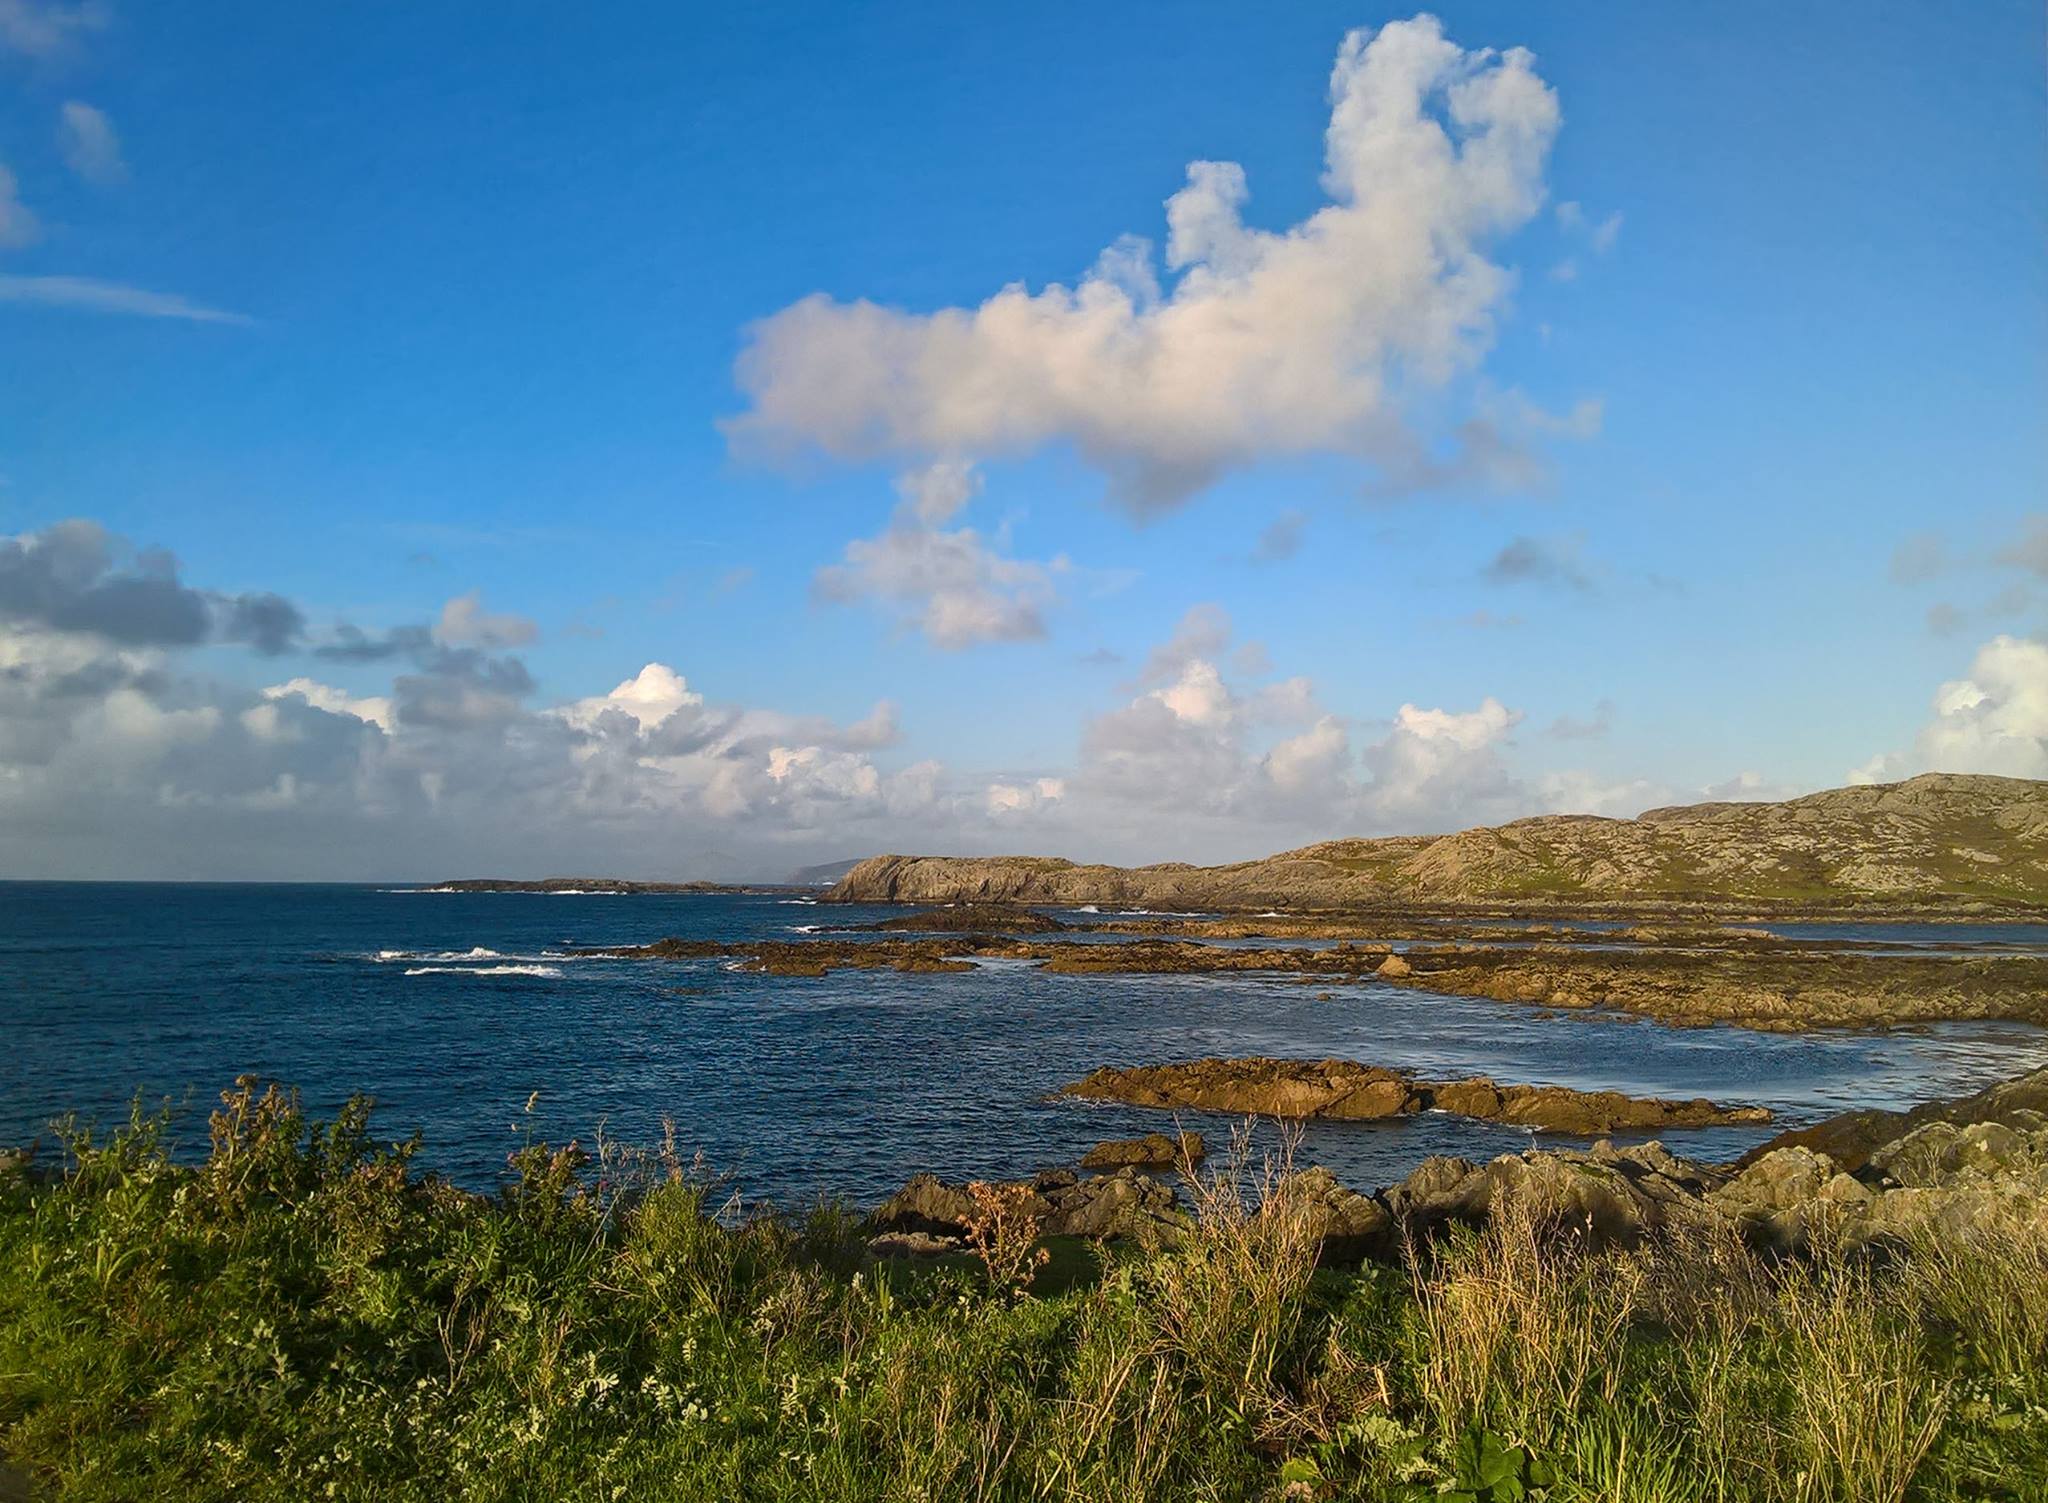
column 302, row 1314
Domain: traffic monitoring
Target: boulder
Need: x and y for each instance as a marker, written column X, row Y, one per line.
column 1348, row 1226
column 1393, row 968
column 1153, row 1151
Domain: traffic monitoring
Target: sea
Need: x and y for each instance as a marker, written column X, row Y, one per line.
column 455, row 1011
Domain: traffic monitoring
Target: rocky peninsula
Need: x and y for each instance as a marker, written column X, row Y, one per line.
column 1940, row 845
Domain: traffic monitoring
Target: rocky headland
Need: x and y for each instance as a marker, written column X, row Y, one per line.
column 1344, row 1090
column 1939, row 844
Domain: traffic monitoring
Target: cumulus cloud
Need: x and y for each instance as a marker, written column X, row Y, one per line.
column 77, row 577
column 1204, row 632
column 1574, row 792
column 90, row 146
column 115, row 758
column 1994, row 719
column 370, row 709
column 1307, row 339
column 954, row 586
column 1025, row 798
column 1201, row 743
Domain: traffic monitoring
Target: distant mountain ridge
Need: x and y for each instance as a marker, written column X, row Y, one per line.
column 1940, row 839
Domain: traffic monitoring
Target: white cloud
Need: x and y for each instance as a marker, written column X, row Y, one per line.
column 1023, row 798
column 40, row 28
column 91, row 296
column 1993, row 720
column 1576, row 792
column 937, row 492
column 1267, row 343
column 953, row 586
column 87, row 141
column 371, row 709
column 18, row 223
column 647, row 699
column 1996, row 719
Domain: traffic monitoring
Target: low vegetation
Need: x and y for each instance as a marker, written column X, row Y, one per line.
column 302, row 1315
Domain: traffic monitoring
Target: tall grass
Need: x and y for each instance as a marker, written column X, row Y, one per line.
column 302, row 1315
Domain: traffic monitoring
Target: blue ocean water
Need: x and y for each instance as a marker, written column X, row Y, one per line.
column 453, row 1008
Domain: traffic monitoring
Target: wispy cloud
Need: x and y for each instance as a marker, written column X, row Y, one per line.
column 41, row 29
column 18, row 223
column 93, row 296
column 89, row 144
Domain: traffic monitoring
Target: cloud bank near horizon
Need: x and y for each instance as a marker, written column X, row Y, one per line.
column 153, row 727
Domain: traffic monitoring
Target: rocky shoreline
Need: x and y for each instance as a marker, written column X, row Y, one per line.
column 1682, row 977
column 1343, row 1090
column 1979, row 1160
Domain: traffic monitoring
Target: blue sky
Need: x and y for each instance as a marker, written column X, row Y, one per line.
column 1730, row 480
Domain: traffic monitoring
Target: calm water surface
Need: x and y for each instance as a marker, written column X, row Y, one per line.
column 452, row 1008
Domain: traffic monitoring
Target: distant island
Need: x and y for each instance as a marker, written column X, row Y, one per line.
column 1944, row 844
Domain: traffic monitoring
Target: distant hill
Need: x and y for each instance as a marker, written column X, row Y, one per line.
column 1941, row 840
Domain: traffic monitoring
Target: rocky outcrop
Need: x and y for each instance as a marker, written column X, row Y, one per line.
column 1778, row 989
column 1615, row 1194
column 1153, row 1151
column 1853, row 1138
column 973, row 918
column 1347, row 1226
column 1935, row 840
column 1960, row 1166
column 1345, row 1090
column 1124, row 1206
column 1979, row 1161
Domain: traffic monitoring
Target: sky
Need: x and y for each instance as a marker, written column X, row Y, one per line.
column 685, row 442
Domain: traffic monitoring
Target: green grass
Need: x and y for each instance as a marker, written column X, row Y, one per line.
column 302, row 1316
